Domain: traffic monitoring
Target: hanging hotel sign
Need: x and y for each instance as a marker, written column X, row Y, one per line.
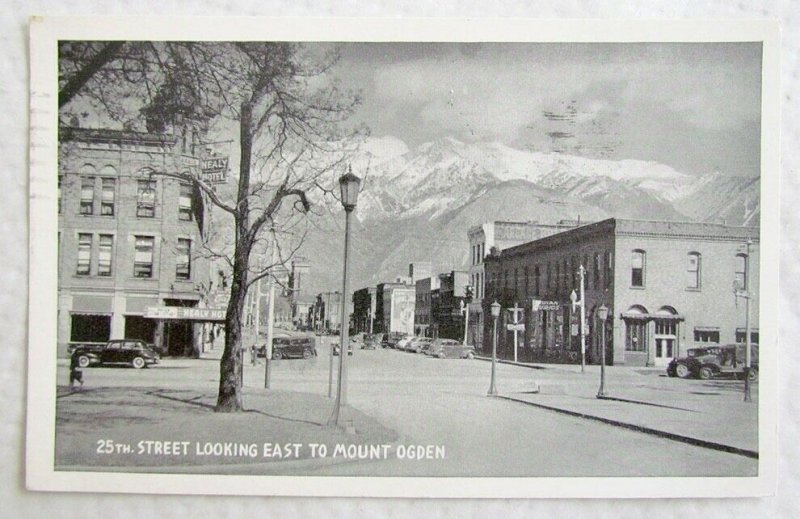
column 538, row 305
column 184, row 313
column 214, row 170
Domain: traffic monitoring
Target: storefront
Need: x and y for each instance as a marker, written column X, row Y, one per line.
column 181, row 331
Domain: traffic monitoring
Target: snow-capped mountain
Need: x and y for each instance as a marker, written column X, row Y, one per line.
column 418, row 204
column 444, row 174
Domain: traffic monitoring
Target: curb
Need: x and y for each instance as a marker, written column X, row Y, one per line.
column 646, row 430
column 512, row 363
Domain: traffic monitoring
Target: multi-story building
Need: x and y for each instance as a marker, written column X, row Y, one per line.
column 328, row 311
column 498, row 235
column 423, row 307
column 364, row 302
column 394, row 307
column 128, row 242
column 448, row 315
column 668, row 286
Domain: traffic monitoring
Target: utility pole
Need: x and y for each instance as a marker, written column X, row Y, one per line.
column 575, row 302
column 744, row 292
column 271, row 312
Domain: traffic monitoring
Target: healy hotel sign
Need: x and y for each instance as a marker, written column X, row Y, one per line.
column 214, row 170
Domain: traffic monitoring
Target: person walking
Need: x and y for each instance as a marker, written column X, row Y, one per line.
column 75, row 371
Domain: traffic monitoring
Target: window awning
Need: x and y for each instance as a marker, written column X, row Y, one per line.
column 706, row 328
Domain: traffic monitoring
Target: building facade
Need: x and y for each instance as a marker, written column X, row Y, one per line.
column 668, row 286
column 427, row 289
column 364, row 302
column 129, row 241
column 448, row 311
column 498, row 235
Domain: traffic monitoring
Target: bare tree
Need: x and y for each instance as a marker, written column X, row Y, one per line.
column 289, row 116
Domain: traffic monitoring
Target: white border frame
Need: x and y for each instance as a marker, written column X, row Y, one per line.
column 40, row 445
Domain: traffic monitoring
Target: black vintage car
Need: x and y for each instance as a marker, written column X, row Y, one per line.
column 713, row 360
column 133, row 352
column 292, row 347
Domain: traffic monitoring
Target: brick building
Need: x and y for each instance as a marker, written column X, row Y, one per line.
column 446, row 310
column 128, row 241
column 499, row 235
column 668, row 287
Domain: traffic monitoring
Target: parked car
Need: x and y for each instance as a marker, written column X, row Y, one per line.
column 403, row 343
column 292, row 347
column 711, row 361
column 451, row 349
column 336, row 348
column 419, row 344
column 390, row 340
column 370, row 341
column 120, row 351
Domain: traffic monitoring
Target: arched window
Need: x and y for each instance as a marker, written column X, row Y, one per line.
column 637, row 268
column 693, row 270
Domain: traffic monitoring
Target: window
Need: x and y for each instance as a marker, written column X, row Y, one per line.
column 585, row 266
column 143, row 258
column 146, row 199
column 596, row 275
column 84, row 254
column 666, row 327
column 609, row 273
column 516, row 282
column 87, row 195
column 107, row 196
column 185, row 202
column 693, row 270
column 740, row 275
column 740, row 335
column 635, row 338
column 558, row 276
column 105, row 248
column 527, row 281
column 706, row 335
column 637, row 268
column 183, row 260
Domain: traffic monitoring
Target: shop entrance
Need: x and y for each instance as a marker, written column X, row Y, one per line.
column 666, row 337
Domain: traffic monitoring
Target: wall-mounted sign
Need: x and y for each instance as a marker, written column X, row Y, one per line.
column 181, row 312
column 214, row 170
column 539, row 305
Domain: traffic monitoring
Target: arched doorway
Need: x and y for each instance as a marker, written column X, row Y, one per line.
column 666, row 335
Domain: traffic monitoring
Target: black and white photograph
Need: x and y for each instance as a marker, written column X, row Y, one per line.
column 318, row 259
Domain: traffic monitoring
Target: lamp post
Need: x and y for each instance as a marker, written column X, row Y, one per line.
column 602, row 314
column 348, row 184
column 495, row 314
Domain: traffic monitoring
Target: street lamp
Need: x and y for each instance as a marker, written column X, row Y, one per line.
column 602, row 314
column 495, row 314
column 348, row 184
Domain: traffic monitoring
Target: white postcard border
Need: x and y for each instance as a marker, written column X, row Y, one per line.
column 40, row 444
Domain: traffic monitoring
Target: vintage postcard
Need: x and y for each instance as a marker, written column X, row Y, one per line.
column 422, row 258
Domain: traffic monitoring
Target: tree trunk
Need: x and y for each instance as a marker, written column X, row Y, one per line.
column 229, row 398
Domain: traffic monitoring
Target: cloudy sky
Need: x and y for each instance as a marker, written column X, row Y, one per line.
column 695, row 107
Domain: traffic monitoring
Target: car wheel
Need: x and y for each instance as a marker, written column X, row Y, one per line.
column 83, row 361
column 683, row 371
column 138, row 363
column 306, row 354
column 753, row 375
column 276, row 355
column 706, row 373
column 470, row 355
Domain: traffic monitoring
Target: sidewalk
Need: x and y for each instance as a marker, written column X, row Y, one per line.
column 708, row 413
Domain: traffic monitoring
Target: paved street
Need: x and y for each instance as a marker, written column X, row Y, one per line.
column 443, row 403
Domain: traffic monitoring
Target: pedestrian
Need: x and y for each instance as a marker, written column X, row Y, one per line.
column 75, row 371
column 253, row 355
